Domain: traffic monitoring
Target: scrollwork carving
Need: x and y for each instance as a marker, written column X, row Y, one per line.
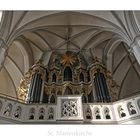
column 112, row 85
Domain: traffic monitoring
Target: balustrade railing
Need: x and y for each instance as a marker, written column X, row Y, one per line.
column 119, row 111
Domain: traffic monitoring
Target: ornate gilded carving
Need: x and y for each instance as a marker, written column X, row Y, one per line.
column 77, row 65
column 37, row 68
column 22, row 89
column 25, row 81
column 112, row 85
column 68, row 58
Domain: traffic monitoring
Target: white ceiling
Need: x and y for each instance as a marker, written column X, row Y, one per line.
column 31, row 35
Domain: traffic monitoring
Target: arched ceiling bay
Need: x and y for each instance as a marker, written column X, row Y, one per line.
column 35, row 34
column 31, row 20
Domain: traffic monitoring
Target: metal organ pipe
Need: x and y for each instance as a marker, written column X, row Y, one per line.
column 108, row 98
column 39, row 89
column 32, row 89
column 35, row 89
column 101, row 87
column 42, row 88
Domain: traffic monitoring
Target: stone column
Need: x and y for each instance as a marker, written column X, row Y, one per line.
column 3, row 48
column 135, row 48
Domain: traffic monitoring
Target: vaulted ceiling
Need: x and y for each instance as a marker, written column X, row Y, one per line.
column 31, row 35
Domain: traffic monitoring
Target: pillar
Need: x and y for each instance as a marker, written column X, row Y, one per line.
column 3, row 48
column 135, row 48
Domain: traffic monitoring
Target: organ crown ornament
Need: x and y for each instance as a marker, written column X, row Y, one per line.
column 68, row 58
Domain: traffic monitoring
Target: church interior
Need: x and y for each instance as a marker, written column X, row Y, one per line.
column 70, row 67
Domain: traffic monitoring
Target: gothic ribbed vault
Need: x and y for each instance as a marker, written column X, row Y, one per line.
column 31, row 35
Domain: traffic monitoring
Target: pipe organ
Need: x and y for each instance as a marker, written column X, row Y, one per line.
column 67, row 74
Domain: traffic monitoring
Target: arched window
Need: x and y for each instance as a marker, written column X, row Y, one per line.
column 90, row 97
column 106, row 113
column 88, row 114
column 50, row 114
column 88, row 76
column 131, row 108
column 121, row 112
column 31, row 114
column 54, row 78
column 81, row 77
column 67, row 74
column 97, row 113
column 17, row 113
column 8, row 110
column 52, row 99
column 41, row 113
column 47, row 76
column 84, row 98
column 68, row 91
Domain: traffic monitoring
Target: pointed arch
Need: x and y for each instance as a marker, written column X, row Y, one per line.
column 97, row 113
column 50, row 113
column 131, row 108
column 47, row 76
column 88, row 114
column 68, row 91
column 81, row 77
column 41, row 113
column 88, row 76
column 53, row 91
column 27, row 53
column 31, row 114
column 8, row 110
column 17, row 113
column 107, row 113
column 52, row 99
column 54, row 77
column 121, row 112
column 67, row 74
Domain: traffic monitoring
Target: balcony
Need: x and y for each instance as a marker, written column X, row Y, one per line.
column 126, row 111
